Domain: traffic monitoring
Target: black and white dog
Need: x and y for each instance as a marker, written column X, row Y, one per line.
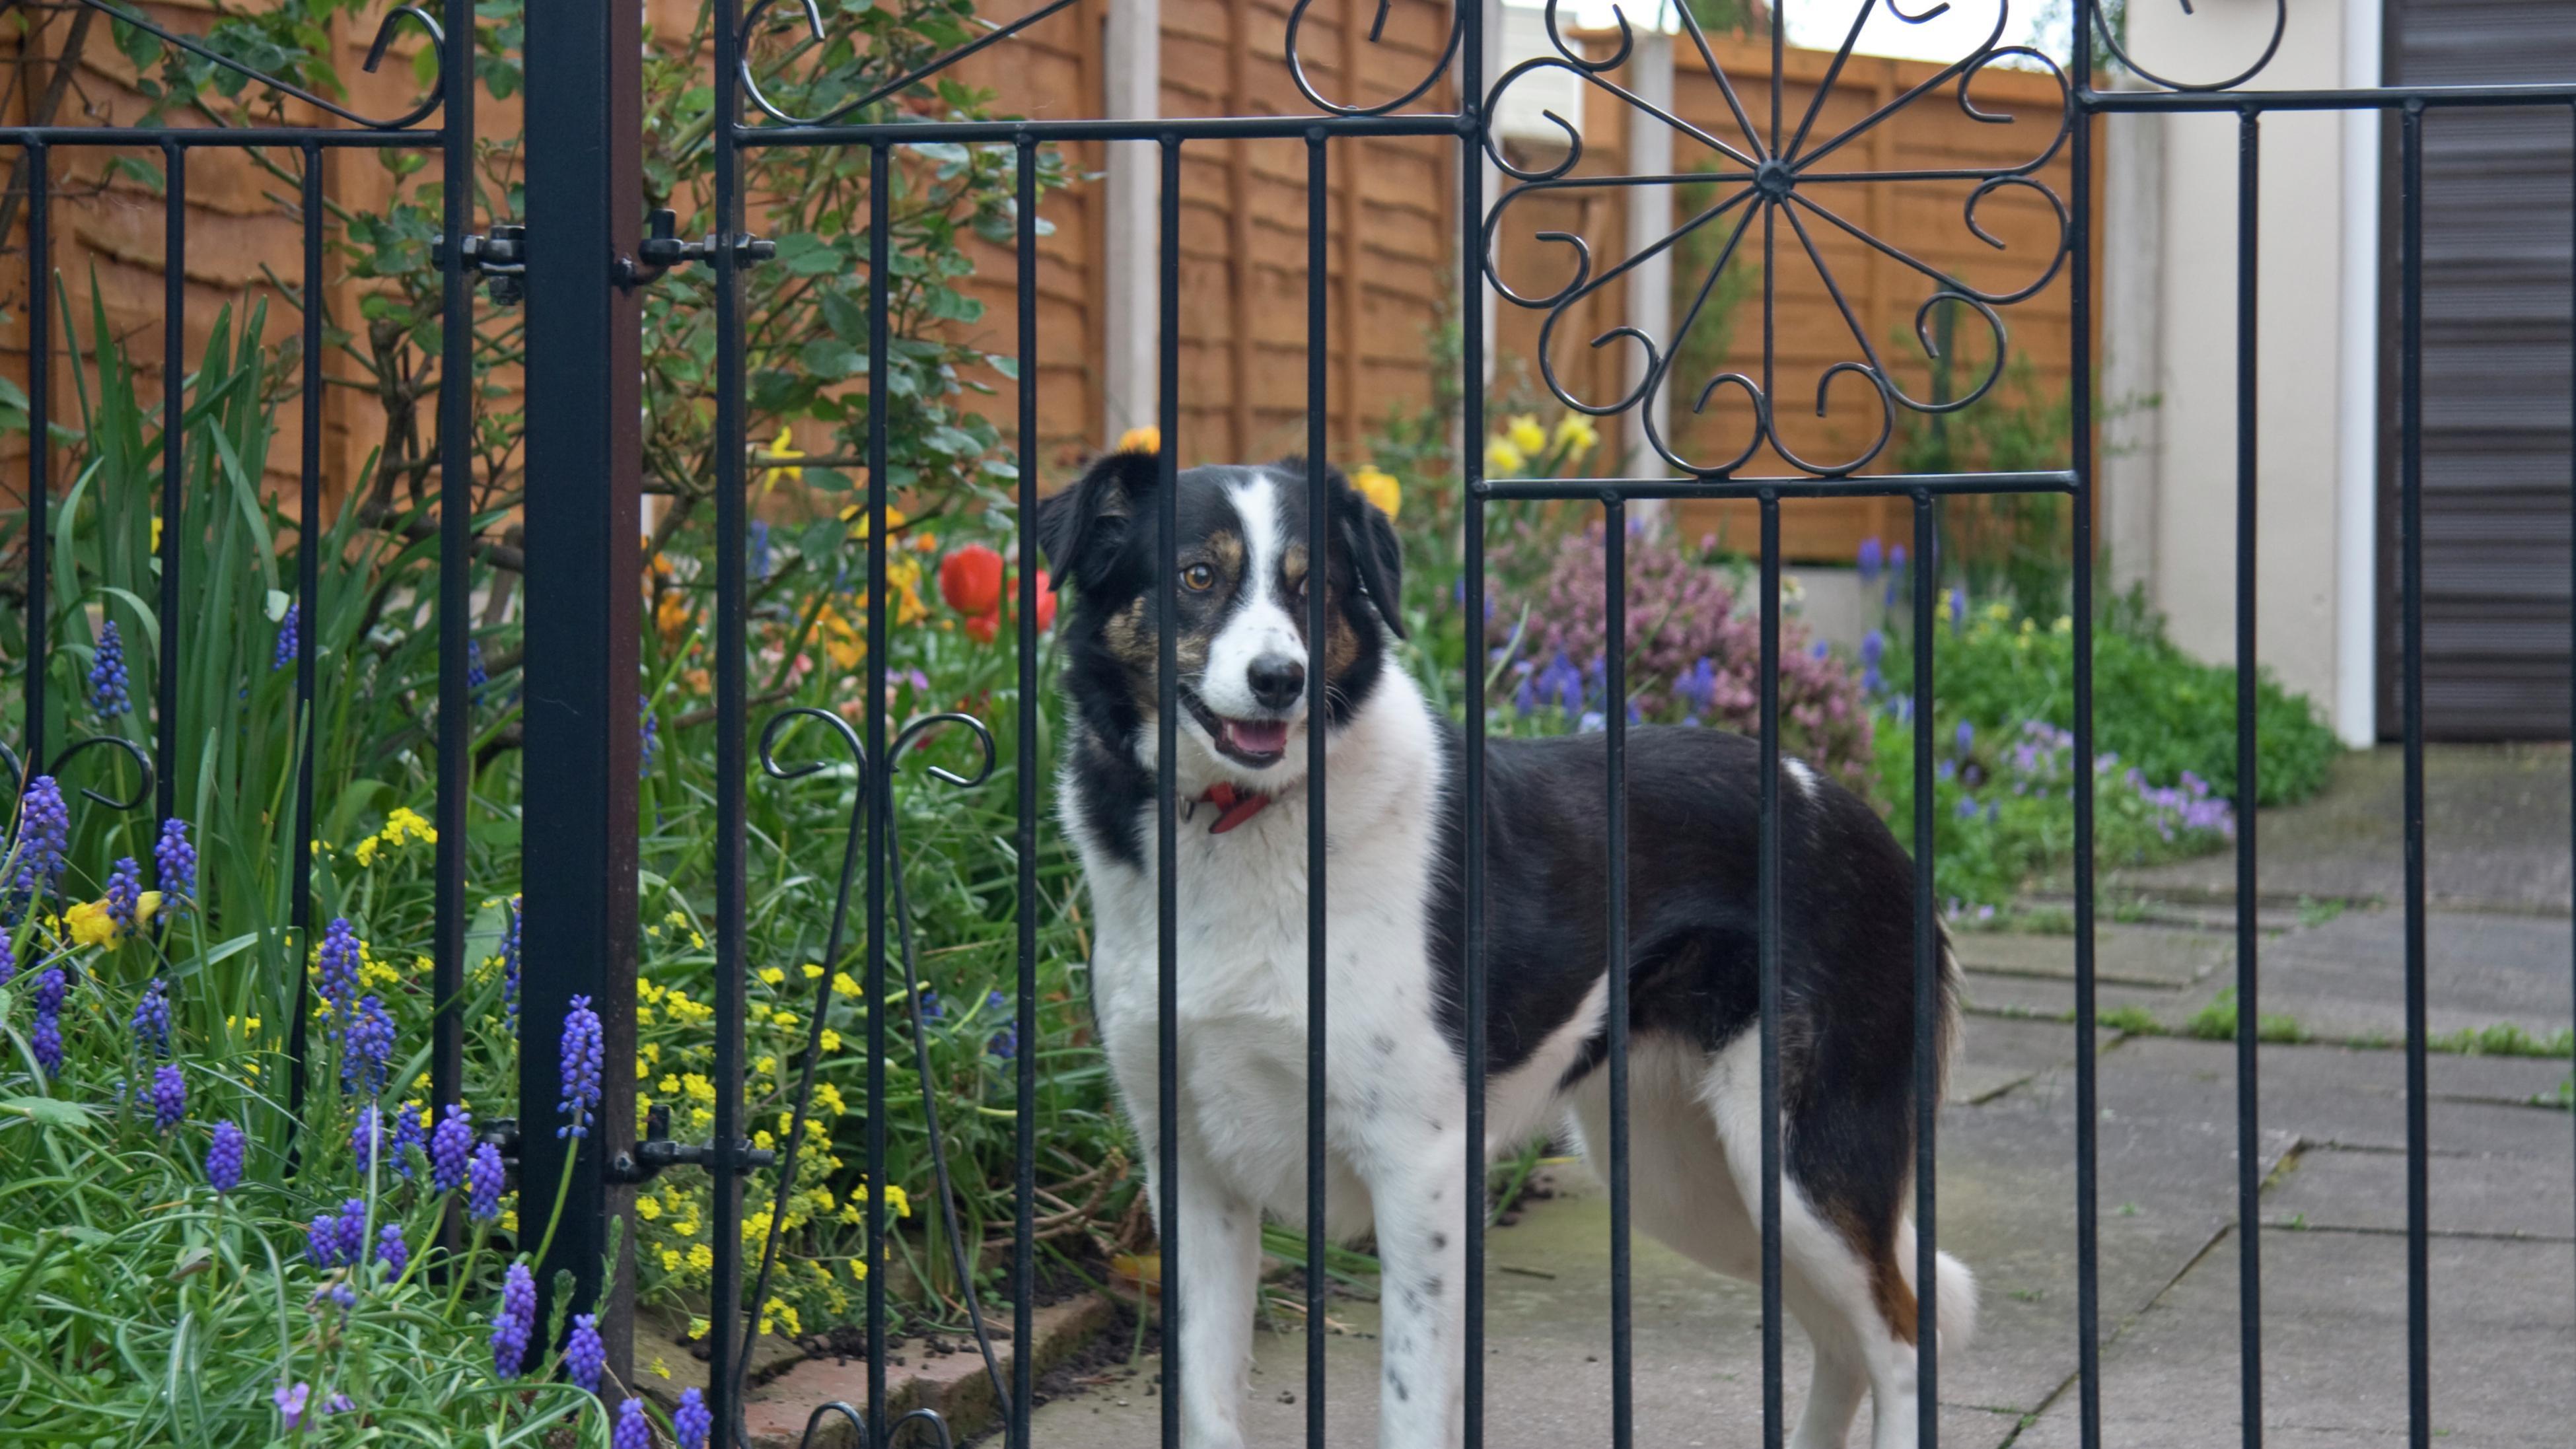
column 1395, row 1090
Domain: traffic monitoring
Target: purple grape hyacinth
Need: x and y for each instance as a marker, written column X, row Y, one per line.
column 224, row 1156
column 451, row 1146
column 582, row 1054
column 124, row 894
column 368, row 1047
column 634, row 1431
column 107, row 678
column 584, row 1354
column 288, row 630
column 692, row 1421
column 367, row 1135
column 510, row 961
column 169, row 1098
column 333, row 1240
column 44, row 833
column 483, row 1184
column 8, row 960
column 339, row 962
column 151, row 1022
column 649, row 740
column 411, row 1131
column 513, row 1321
column 47, row 1036
column 174, row 863
column 392, row 1253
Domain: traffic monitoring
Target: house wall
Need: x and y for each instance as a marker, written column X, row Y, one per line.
column 2313, row 353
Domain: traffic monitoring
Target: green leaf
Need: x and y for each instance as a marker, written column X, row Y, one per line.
column 48, row 1111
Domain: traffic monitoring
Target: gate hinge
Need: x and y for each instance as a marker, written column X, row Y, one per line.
column 662, row 249
column 658, row 1151
column 501, row 258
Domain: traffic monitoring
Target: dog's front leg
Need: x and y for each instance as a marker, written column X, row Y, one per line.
column 1214, row 1280
column 1419, row 1189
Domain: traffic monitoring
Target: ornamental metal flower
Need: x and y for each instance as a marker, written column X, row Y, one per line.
column 175, row 865
column 451, row 1148
column 224, row 1156
column 513, row 1321
column 1780, row 184
column 582, row 1053
column 107, row 678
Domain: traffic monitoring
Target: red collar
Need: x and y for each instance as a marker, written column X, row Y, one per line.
column 1233, row 806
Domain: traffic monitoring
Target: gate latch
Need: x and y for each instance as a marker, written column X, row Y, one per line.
column 662, row 249
column 501, row 258
column 658, row 1151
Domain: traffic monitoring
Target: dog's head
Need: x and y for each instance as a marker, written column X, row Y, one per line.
column 1240, row 604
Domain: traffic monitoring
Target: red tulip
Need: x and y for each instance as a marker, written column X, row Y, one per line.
column 970, row 579
column 982, row 627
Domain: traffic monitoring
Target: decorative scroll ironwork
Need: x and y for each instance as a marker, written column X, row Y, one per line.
column 818, row 36
column 1777, row 178
column 436, row 99
column 17, row 769
column 2107, row 35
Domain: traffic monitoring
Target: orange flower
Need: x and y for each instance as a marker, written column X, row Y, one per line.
column 982, row 627
column 970, row 579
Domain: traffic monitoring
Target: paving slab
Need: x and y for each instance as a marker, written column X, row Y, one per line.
column 2496, row 835
column 2337, row 1188
column 2052, row 999
column 2346, row 979
column 2123, row 955
column 2334, row 1349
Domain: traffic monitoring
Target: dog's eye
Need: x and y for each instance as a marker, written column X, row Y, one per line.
column 1198, row 578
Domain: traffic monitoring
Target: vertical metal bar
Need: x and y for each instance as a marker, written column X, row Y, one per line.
column 581, row 745
column 880, row 284
column 1025, row 1146
column 308, row 557
column 174, row 394
column 1319, row 284
column 40, row 445
column 2079, row 384
column 1167, row 708
column 2571, row 557
column 1929, row 1004
column 455, row 581
column 1767, row 921
column 2249, row 1157
column 2410, row 574
column 1471, row 477
column 1614, row 715
column 733, row 762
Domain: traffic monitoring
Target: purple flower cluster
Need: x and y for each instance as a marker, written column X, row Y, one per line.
column 224, row 1157
column 760, row 550
column 175, row 865
column 291, row 1401
column 584, row 1354
column 582, row 1054
column 151, row 1022
column 649, row 742
column 633, row 1431
column 451, row 1145
column 475, row 676
column 692, row 1421
column 334, row 1240
column 367, row 1051
column 107, row 679
column 513, row 1321
column 392, row 1253
column 288, row 630
column 483, row 1184
column 124, row 894
column 8, row 960
column 510, row 959
column 339, row 962
column 169, row 1098
column 2040, row 764
column 411, row 1133
column 44, row 834
column 46, row 1036
column 366, row 1135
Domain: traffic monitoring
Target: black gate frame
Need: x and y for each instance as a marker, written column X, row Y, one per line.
column 583, row 254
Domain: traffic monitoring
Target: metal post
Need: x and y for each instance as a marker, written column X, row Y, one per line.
column 584, row 190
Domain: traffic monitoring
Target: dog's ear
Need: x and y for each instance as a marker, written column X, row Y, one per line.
column 1082, row 527
column 1370, row 536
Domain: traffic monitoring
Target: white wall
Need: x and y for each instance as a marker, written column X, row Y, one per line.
column 2314, row 390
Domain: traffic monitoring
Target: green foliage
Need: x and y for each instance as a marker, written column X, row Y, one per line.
column 2218, row 1022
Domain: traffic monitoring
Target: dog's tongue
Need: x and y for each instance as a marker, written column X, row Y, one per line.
column 1257, row 737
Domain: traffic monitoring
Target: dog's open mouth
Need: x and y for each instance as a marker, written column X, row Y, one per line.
column 1259, row 743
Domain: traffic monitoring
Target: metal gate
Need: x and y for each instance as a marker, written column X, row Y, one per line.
column 584, row 254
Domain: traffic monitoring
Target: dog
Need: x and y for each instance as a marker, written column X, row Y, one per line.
column 1395, row 1089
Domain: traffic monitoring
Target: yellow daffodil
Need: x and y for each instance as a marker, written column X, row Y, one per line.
column 1379, row 488
column 1576, row 435
column 894, row 518
column 1504, row 456
column 90, row 924
column 1141, row 440
column 1526, row 435
column 783, row 446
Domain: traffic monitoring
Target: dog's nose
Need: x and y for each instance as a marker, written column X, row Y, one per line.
column 1276, row 680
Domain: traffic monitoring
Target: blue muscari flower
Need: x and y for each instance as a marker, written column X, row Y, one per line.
column 46, row 1036
column 931, row 1007
column 366, row 1135
column 124, row 894
column 1896, row 558
column 692, row 1421
column 1821, row 650
column 1958, row 607
column 451, row 1147
column 367, row 1047
column 107, row 679
column 483, row 1184
column 475, row 677
column 151, row 1023
column 1872, row 682
column 8, row 960
column 1967, row 737
column 510, row 960
column 1870, row 558
column 1524, row 699
column 1873, row 646
column 287, row 629
column 224, row 1157
column 759, row 549
column 1698, row 685
column 334, row 1240
column 1561, row 684
column 1967, row 807
column 1005, row 1043
column 411, row 1131
column 649, row 743
column 345, row 1295
column 1593, row 722
column 169, row 1098
column 174, row 863
column 44, row 834
column 339, row 960
column 584, row 1355
column 392, row 1253
column 581, row 1054
column 512, row 1323
column 633, row 1431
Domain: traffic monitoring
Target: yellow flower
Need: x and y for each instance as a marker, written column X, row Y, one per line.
column 660, row 1368
column 1140, row 440
column 762, row 1140
column 366, row 851
column 895, row 1199
column 405, row 821
column 1379, row 488
column 1575, row 434
column 828, row 1097
column 697, row 1328
column 648, row 1208
column 90, row 923
column 1526, row 434
column 671, row 1260
column 783, row 1020
column 858, row 1270
column 702, row 1257
column 765, row 1065
column 156, row 533
column 772, row 975
column 894, row 518
column 843, row 984
column 783, row 446
column 831, row 1040
column 670, row 1086
column 1502, row 456
column 813, row 972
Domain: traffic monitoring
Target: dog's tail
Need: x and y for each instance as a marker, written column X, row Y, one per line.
column 1946, row 1038
column 1954, row 1291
